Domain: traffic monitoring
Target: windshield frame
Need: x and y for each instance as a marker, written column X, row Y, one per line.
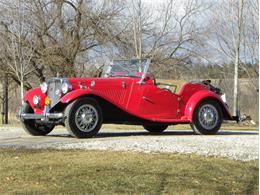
column 136, row 68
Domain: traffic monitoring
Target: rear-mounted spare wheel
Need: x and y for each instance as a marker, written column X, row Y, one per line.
column 83, row 117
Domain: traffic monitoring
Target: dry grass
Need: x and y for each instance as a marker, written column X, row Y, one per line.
column 104, row 172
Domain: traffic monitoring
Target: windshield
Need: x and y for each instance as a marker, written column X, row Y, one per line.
column 126, row 68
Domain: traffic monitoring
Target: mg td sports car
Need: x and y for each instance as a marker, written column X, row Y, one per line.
column 125, row 93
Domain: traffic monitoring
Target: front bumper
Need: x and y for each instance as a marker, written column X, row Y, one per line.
column 46, row 115
column 41, row 116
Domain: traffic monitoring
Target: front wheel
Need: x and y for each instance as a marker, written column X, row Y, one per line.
column 207, row 118
column 83, row 118
column 31, row 126
column 155, row 128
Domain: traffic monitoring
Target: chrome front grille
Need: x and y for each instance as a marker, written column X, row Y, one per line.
column 54, row 90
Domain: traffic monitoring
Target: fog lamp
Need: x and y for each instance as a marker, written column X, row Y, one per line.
column 47, row 101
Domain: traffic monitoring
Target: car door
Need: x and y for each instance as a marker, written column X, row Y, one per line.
column 152, row 102
column 158, row 102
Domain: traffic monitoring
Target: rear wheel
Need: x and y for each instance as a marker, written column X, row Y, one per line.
column 83, row 118
column 31, row 126
column 155, row 128
column 207, row 118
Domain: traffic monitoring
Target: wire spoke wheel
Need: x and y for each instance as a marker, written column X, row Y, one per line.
column 83, row 117
column 86, row 118
column 208, row 116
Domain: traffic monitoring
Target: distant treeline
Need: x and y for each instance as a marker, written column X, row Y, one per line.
column 213, row 71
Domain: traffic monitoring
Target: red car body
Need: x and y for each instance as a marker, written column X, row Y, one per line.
column 125, row 100
column 145, row 101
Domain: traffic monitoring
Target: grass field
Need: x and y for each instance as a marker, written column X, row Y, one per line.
column 104, row 172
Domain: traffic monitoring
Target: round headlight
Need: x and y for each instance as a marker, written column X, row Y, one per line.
column 36, row 99
column 65, row 87
column 44, row 87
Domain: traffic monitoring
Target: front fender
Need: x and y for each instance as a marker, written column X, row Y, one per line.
column 28, row 96
column 201, row 95
column 75, row 94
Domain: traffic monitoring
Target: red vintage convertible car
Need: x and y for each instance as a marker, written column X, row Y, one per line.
column 125, row 93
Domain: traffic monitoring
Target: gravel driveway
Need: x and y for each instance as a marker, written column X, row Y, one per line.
column 238, row 145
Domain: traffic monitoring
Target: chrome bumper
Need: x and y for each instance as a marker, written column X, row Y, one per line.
column 45, row 116
column 41, row 116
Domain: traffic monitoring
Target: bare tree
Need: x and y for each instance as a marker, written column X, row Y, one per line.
column 56, row 36
column 237, row 55
column 167, row 34
column 70, row 29
column 16, row 55
column 230, row 37
column 137, row 27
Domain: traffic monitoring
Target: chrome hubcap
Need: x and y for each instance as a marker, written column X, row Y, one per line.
column 86, row 118
column 208, row 116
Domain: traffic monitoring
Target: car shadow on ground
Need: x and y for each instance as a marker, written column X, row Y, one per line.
column 166, row 133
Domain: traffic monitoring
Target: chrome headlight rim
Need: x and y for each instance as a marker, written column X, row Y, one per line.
column 36, row 99
column 65, row 87
column 44, row 87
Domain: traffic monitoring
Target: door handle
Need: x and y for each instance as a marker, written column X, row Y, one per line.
column 123, row 84
column 147, row 99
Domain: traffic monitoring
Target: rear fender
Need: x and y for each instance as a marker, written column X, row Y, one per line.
column 202, row 95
